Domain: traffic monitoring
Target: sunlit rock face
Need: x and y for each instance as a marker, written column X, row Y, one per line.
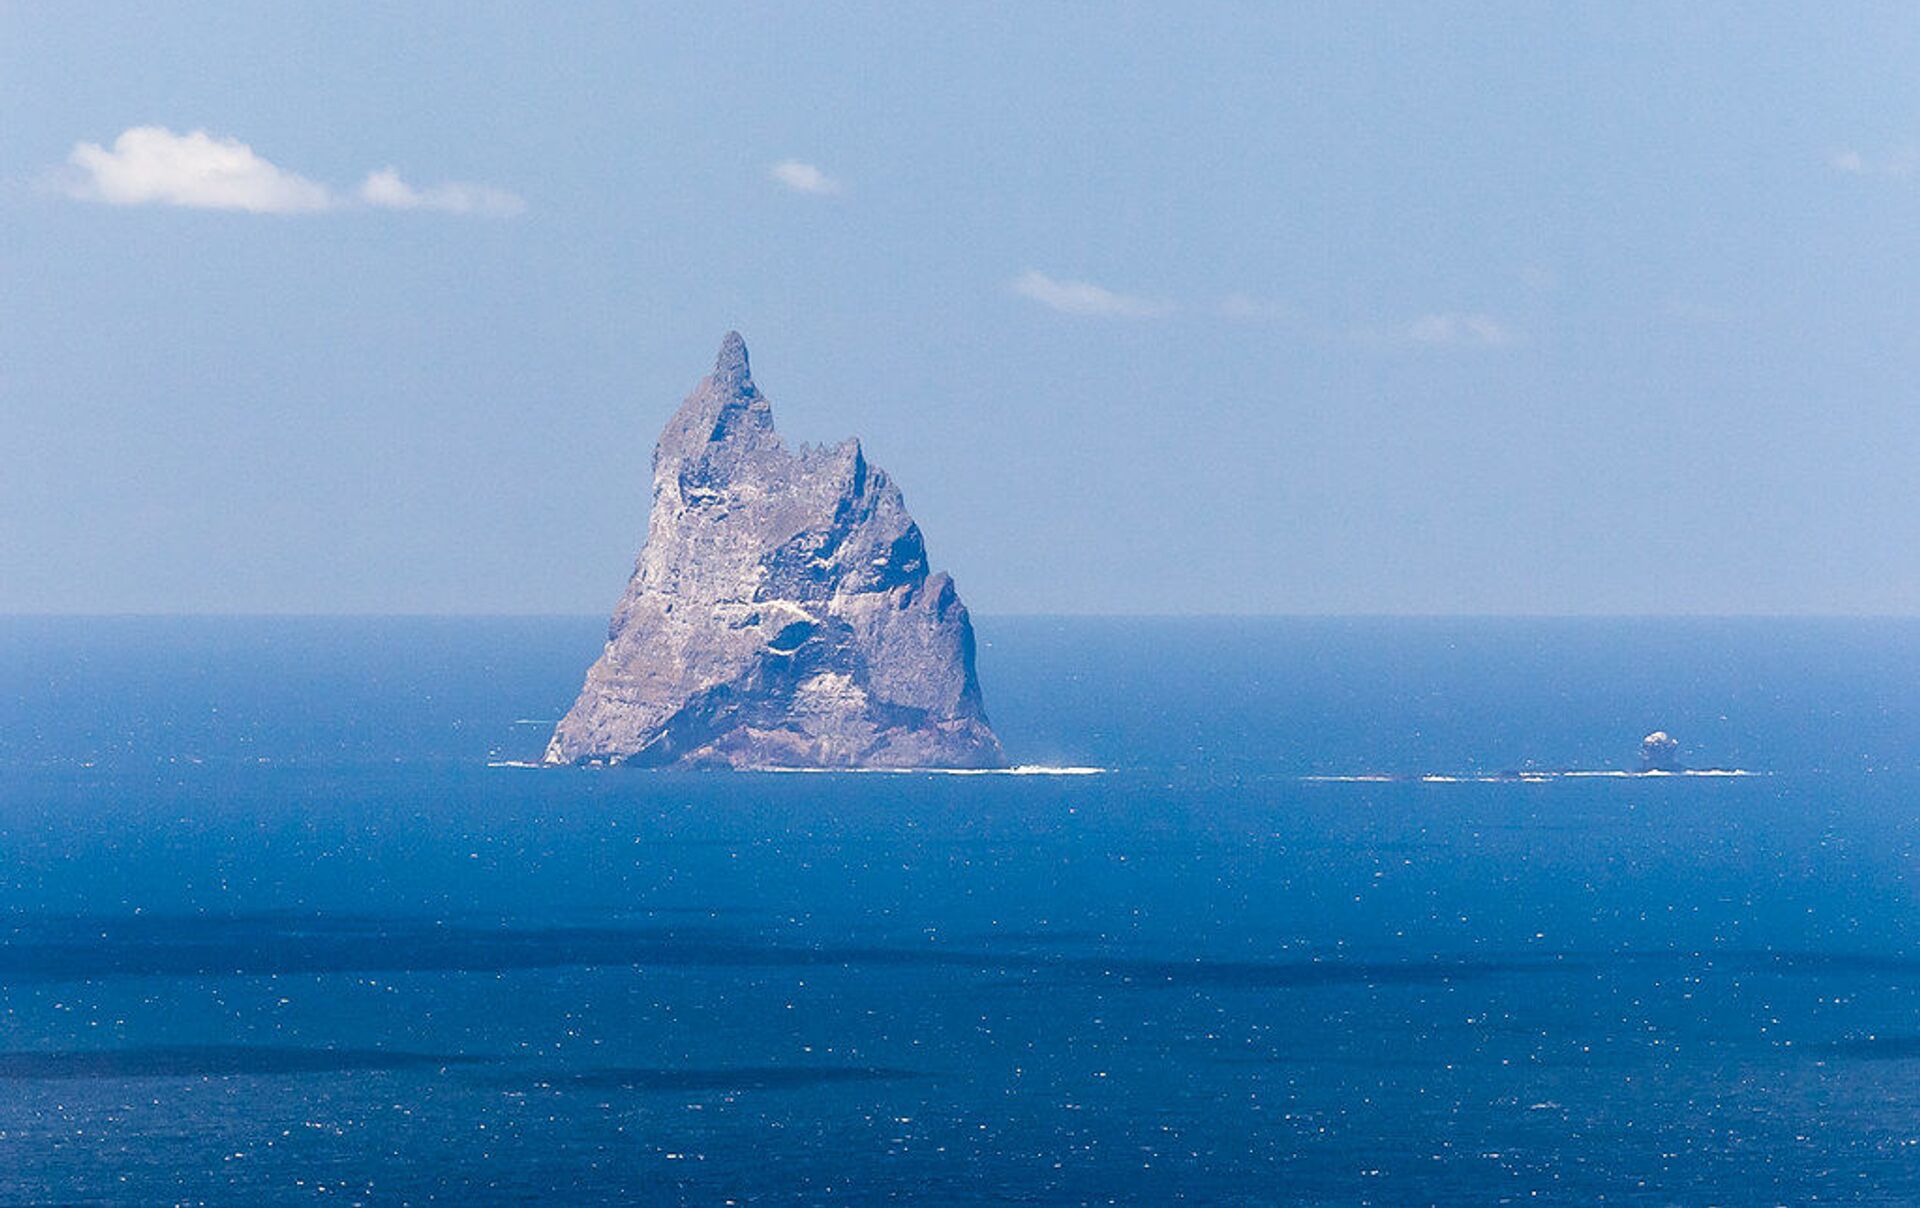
column 1659, row 752
column 781, row 614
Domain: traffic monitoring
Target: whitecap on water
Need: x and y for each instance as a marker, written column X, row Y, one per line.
column 1025, row 769
column 1529, row 777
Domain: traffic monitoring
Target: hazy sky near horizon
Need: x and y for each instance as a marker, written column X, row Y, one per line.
column 1415, row 308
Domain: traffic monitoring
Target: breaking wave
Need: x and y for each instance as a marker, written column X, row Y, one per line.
column 1024, row 769
column 1529, row 777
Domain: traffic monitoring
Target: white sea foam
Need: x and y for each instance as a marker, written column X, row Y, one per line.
column 1365, row 779
column 1025, row 769
column 1658, row 775
column 1529, row 777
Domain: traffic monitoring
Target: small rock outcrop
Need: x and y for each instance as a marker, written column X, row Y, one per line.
column 1660, row 752
column 781, row 614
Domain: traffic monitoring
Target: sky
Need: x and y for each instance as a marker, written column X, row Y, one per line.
column 1393, row 308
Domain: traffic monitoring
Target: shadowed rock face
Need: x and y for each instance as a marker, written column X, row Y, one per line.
column 1660, row 752
column 781, row 613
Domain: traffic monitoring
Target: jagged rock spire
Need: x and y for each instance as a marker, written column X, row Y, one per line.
column 730, row 368
column 725, row 409
column 781, row 614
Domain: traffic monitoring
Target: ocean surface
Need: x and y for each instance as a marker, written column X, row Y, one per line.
column 273, row 929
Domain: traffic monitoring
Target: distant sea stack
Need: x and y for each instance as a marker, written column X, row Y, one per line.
column 781, row 613
column 1660, row 752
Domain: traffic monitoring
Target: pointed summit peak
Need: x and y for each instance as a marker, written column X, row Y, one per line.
column 730, row 366
column 725, row 407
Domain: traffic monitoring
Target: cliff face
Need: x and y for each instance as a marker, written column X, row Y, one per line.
column 781, row 614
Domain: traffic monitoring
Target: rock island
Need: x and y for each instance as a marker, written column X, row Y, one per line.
column 781, row 615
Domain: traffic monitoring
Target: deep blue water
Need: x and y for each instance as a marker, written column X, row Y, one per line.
column 269, row 925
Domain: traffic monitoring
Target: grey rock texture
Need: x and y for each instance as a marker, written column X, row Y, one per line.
column 781, row 613
column 1660, row 752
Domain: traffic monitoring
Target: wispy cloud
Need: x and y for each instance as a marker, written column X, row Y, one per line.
column 1901, row 162
column 1455, row 329
column 1460, row 329
column 1085, row 298
column 151, row 165
column 385, row 189
column 804, row 178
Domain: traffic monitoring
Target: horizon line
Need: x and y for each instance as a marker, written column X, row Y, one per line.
column 371, row 615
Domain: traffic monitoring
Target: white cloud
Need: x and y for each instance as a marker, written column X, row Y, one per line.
column 386, row 190
column 803, row 178
column 1084, row 298
column 1901, row 161
column 151, row 165
column 1459, row 329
